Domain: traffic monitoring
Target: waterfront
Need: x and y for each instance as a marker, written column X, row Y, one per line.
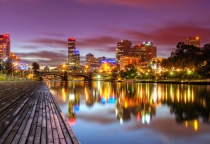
column 105, row 112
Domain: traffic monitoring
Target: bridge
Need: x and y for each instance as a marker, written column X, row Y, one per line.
column 87, row 76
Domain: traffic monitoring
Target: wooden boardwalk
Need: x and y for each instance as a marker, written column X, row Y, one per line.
column 29, row 114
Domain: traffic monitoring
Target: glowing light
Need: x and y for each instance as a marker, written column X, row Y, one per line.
column 72, row 121
column 121, row 121
column 195, row 124
column 71, row 39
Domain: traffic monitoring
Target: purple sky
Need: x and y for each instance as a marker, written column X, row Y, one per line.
column 39, row 29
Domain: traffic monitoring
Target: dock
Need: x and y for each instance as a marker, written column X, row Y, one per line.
column 29, row 114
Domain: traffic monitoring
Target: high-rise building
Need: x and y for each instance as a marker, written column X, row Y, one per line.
column 123, row 48
column 194, row 41
column 145, row 51
column 73, row 54
column 77, row 58
column 137, row 51
column 4, row 46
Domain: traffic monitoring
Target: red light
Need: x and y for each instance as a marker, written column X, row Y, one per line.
column 6, row 36
column 72, row 121
column 71, row 39
column 138, row 116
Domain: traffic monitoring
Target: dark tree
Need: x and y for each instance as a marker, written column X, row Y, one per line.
column 129, row 72
column 35, row 68
column 9, row 66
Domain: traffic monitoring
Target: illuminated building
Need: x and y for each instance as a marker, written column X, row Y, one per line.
column 4, row 46
column 92, row 63
column 137, row 51
column 194, row 41
column 150, row 51
column 73, row 54
column 125, row 60
column 90, row 59
column 145, row 51
column 123, row 48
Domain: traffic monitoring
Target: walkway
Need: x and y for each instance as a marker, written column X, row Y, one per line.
column 29, row 114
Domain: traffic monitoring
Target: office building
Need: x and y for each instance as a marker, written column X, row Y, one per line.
column 4, row 46
column 123, row 48
column 145, row 51
column 73, row 54
column 194, row 41
column 126, row 60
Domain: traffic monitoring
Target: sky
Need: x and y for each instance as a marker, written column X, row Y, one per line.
column 39, row 29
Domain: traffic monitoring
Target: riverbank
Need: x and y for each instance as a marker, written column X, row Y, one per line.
column 29, row 114
column 172, row 81
column 12, row 78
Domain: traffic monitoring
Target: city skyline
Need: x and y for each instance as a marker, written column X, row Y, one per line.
column 39, row 30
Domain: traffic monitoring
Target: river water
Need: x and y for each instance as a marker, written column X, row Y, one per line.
column 131, row 113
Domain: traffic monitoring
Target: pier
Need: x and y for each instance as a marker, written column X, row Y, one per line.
column 29, row 114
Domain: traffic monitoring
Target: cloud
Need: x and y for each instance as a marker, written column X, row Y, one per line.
column 98, row 41
column 147, row 4
column 102, row 118
column 44, row 58
column 52, row 42
column 102, row 43
column 170, row 128
column 170, row 34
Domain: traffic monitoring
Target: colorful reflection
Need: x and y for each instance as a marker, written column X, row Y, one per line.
column 188, row 103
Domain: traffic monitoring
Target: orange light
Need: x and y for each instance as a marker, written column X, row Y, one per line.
column 72, row 121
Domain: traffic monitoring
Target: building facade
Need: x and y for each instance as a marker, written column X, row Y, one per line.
column 145, row 51
column 73, row 54
column 126, row 60
column 150, row 51
column 4, row 46
column 123, row 48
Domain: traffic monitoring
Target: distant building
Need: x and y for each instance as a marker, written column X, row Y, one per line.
column 126, row 60
column 145, row 51
column 4, row 46
column 194, row 41
column 150, row 51
column 77, row 58
column 123, row 48
column 90, row 59
column 73, row 54
column 92, row 63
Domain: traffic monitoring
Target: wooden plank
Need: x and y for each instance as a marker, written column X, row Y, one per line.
column 31, row 115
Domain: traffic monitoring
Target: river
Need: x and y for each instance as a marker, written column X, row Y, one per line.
column 128, row 113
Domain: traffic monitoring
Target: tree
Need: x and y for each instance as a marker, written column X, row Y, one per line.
column 129, row 72
column 185, row 56
column 9, row 66
column 35, row 68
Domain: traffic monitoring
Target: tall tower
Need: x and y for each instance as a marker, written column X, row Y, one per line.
column 150, row 51
column 194, row 41
column 145, row 51
column 123, row 47
column 73, row 54
column 4, row 45
column 77, row 58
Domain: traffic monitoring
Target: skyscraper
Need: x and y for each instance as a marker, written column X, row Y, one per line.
column 4, row 45
column 73, row 54
column 145, row 51
column 123, row 47
column 194, row 41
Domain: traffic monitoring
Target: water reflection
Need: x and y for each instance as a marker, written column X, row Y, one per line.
column 188, row 103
